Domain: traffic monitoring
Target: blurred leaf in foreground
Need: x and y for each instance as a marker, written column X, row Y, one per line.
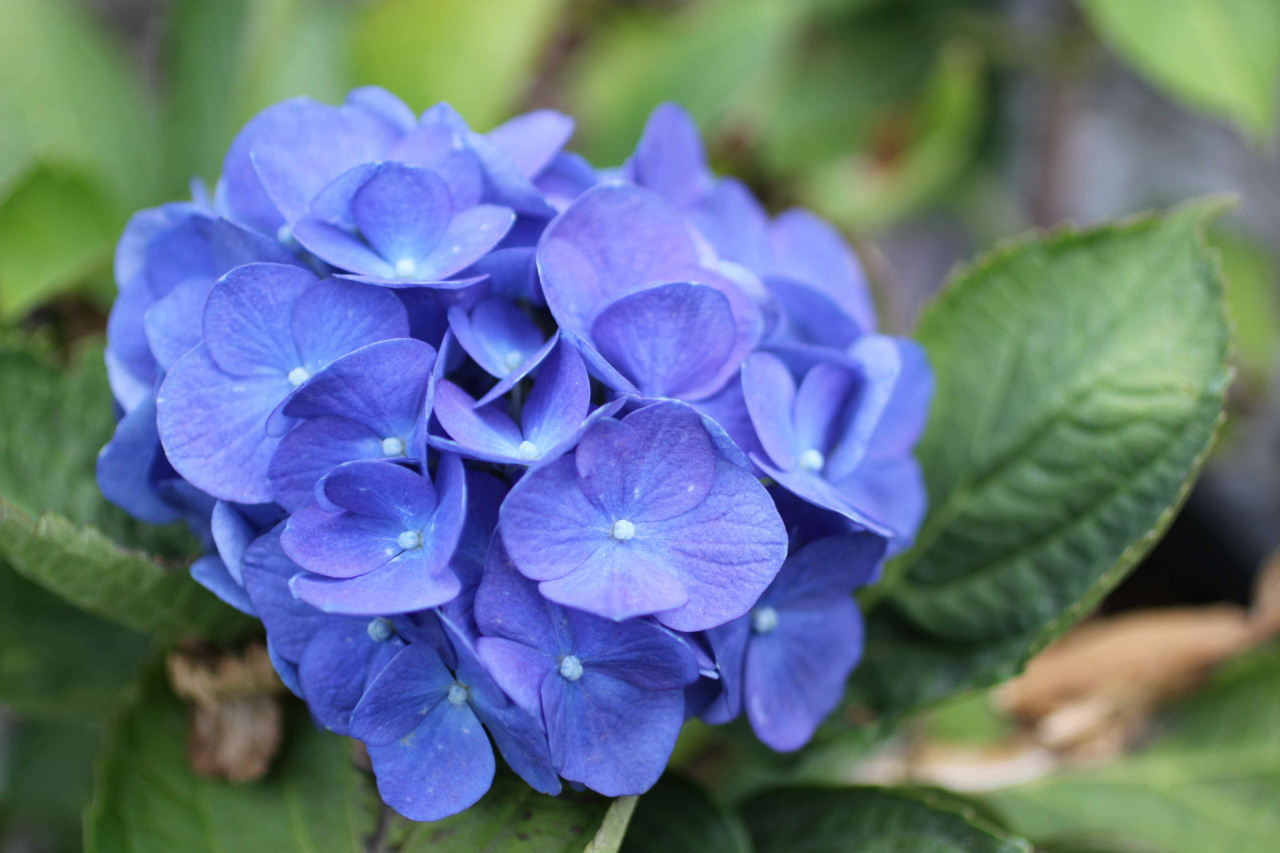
column 1216, row 55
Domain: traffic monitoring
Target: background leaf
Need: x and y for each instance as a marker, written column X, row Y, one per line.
column 479, row 55
column 883, row 820
column 514, row 818
column 56, row 229
column 146, row 799
column 1209, row 782
column 1216, row 55
column 1080, row 380
column 679, row 816
column 55, row 527
column 46, row 778
column 56, row 661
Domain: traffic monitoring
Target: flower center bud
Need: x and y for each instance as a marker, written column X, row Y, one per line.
column 380, row 630
column 298, row 375
column 512, row 360
column 812, row 461
column 410, row 539
column 527, row 450
column 405, row 267
column 392, row 447
column 622, row 530
column 764, row 620
column 570, row 668
column 284, row 236
column 457, row 694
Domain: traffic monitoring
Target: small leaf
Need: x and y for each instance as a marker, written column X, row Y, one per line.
column 1210, row 782
column 57, row 662
column 480, row 55
column 1080, row 380
column 679, row 816
column 1216, row 55
column 833, row 820
column 146, row 800
column 56, row 229
column 514, row 818
column 713, row 57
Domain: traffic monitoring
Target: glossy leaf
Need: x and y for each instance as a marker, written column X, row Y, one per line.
column 833, row 820
column 1080, row 380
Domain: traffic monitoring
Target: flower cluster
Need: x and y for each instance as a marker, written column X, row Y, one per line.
column 508, row 451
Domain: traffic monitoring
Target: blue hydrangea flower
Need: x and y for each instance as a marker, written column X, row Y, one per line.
column 370, row 404
column 647, row 516
column 261, row 341
column 788, row 659
column 425, row 722
column 394, row 224
column 553, row 418
column 479, row 431
column 609, row 693
column 843, row 438
column 384, row 543
column 624, row 278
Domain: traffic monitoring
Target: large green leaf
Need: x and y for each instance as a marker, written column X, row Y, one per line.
column 146, row 799
column 56, row 661
column 679, row 816
column 1218, row 55
column 1080, row 380
column 870, row 820
column 314, row 800
column 46, row 778
column 479, row 55
column 55, row 527
column 1211, row 782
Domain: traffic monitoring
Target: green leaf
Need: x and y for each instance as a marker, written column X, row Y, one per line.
column 228, row 59
column 46, row 779
column 56, row 229
column 1080, row 378
column 679, row 816
column 146, row 799
column 1251, row 275
column 1211, row 782
column 479, row 56
column 938, row 136
column 1215, row 55
column 870, row 820
column 514, row 818
column 53, row 518
column 713, row 57
column 68, row 97
column 57, row 662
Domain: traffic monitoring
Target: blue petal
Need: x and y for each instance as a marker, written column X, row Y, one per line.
column 336, row 665
column 532, row 139
column 559, row 401
column 290, row 623
column 609, row 735
column 211, row 573
column 339, row 316
column 403, row 212
column 440, row 768
column 670, row 340
column 670, row 158
column 795, row 674
column 808, row 250
column 247, row 319
column 129, row 465
column 314, row 448
column 213, row 426
column 406, row 690
column 382, row 386
column 496, row 334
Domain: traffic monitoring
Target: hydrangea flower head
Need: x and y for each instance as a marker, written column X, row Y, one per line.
column 507, row 451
